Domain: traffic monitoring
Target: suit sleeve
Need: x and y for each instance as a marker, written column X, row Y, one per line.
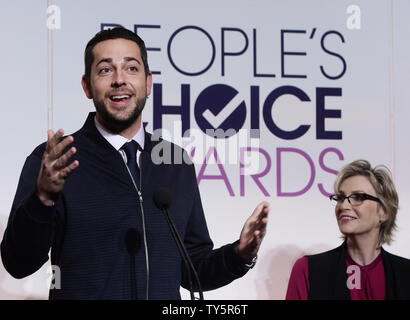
column 217, row 267
column 27, row 238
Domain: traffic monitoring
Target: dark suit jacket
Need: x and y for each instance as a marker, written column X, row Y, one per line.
column 328, row 277
column 87, row 226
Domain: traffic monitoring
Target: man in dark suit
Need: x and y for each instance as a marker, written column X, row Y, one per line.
column 88, row 197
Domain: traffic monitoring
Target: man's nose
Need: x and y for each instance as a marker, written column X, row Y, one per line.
column 118, row 79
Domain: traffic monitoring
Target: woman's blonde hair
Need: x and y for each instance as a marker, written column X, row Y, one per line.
column 382, row 182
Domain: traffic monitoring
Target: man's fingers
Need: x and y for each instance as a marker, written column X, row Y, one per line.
column 258, row 224
column 61, row 162
column 50, row 134
column 64, row 173
column 73, row 166
column 259, row 217
column 261, row 220
column 256, row 227
column 253, row 231
column 54, row 169
column 57, row 151
column 261, row 209
column 61, row 146
column 260, row 234
column 53, row 139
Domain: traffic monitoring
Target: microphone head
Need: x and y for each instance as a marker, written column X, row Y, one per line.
column 162, row 198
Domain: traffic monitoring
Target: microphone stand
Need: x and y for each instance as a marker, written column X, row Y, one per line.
column 185, row 256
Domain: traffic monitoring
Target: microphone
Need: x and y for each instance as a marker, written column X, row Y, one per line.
column 132, row 243
column 162, row 200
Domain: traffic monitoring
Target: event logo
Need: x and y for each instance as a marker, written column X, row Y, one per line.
column 258, row 104
column 220, row 107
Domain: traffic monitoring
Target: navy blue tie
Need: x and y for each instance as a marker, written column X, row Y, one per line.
column 130, row 149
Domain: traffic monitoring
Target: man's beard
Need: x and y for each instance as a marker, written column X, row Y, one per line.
column 115, row 124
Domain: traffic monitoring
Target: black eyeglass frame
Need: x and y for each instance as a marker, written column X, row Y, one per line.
column 364, row 195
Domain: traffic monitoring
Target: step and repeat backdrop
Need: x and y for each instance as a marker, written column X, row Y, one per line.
column 270, row 99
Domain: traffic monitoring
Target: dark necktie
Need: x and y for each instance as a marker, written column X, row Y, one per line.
column 130, row 149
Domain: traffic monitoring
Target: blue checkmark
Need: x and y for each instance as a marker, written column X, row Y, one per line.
column 220, row 107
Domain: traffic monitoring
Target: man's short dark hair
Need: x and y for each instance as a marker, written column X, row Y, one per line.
column 110, row 34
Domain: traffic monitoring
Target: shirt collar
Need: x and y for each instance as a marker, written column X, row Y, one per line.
column 116, row 140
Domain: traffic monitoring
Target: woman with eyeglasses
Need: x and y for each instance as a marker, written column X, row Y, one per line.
column 366, row 205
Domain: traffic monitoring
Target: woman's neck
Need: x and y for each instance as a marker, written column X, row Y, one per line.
column 363, row 250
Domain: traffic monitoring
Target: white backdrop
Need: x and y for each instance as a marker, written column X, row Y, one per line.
column 348, row 62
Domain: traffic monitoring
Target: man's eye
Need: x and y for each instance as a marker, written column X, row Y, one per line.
column 104, row 70
column 134, row 69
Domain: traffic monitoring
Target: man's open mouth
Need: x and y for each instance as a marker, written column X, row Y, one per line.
column 118, row 98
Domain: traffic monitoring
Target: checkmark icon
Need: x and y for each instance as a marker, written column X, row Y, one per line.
column 217, row 119
column 220, row 106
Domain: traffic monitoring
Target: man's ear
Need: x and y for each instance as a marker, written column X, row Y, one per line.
column 86, row 87
column 149, row 83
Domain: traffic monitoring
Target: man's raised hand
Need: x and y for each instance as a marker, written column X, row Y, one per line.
column 253, row 232
column 54, row 169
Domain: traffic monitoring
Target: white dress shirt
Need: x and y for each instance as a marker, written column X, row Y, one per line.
column 117, row 141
